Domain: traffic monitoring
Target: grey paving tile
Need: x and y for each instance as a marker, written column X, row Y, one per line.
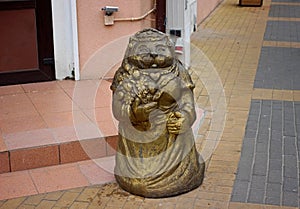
column 290, row 167
column 297, row 112
column 273, row 194
column 258, row 182
column 264, row 132
column 290, row 199
column 288, row 111
column 298, row 148
column 277, row 105
column 290, row 184
column 276, row 135
column 252, row 126
column 274, row 153
column 275, row 176
column 272, row 200
column 289, row 128
column 255, row 104
column 250, row 133
column 275, row 164
column 291, row 1
column 278, row 68
column 275, row 149
column 248, row 148
column 262, row 147
column 240, row 191
column 277, row 124
column 260, row 164
column 282, row 31
column 274, row 190
column 244, row 169
column 255, row 111
column 256, row 196
column 290, row 11
column 264, row 120
column 290, row 146
column 262, row 135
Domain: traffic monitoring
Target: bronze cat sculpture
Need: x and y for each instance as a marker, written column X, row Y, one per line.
column 153, row 102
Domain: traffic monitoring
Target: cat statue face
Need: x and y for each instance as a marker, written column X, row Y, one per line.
column 150, row 49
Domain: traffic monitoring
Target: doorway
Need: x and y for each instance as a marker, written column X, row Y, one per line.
column 26, row 39
column 161, row 15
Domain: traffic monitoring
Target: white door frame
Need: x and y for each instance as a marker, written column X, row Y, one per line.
column 65, row 35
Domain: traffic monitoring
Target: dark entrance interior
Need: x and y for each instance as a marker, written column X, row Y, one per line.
column 26, row 40
column 161, row 15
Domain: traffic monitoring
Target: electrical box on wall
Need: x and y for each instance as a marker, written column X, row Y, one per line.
column 181, row 21
column 108, row 20
column 109, row 11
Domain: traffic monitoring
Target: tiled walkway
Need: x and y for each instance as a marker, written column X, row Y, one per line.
column 248, row 136
column 268, row 171
column 40, row 123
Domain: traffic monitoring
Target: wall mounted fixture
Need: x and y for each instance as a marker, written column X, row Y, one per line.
column 109, row 10
column 109, row 18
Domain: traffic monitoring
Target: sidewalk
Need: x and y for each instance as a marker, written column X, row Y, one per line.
column 245, row 63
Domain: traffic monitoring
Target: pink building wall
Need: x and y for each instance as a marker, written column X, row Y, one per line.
column 93, row 34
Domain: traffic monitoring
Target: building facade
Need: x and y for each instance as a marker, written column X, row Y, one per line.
column 74, row 38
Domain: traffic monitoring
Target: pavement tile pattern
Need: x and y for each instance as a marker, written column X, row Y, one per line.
column 290, row 1
column 282, row 31
column 278, row 68
column 269, row 167
column 268, row 171
column 285, row 11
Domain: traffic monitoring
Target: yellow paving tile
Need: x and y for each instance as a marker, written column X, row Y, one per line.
column 287, row 95
column 88, row 194
column 277, row 94
column 235, row 205
column 296, row 95
column 14, row 203
column 202, row 203
column 66, row 199
column 53, row 196
column 137, row 205
column 116, row 202
column 99, row 201
column 46, row 204
column 262, row 93
column 221, row 182
column 284, row 18
column 34, row 200
column 185, row 203
column 281, row 44
column 24, row 206
column 214, row 196
column 79, row 205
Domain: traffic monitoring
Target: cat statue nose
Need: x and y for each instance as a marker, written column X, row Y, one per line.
column 154, row 54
